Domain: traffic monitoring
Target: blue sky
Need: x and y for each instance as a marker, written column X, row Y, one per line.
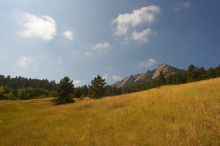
column 80, row 38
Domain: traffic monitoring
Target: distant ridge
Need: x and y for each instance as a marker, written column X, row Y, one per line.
column 149, row 75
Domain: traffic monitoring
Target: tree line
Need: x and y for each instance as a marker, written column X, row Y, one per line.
column 21, row 82
column 98, row 87
column 64, row 91
column 24, row 88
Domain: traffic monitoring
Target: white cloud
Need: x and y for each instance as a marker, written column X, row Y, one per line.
column 116, row 78
column 142, row 37
column 103, row 45
column 182, row 5
column 148, row 63
column 128, row 21
column 105, row 76
column 69, row 35
column 76, row 82
column 43, row 27
column 26, row 62
column 99, row 49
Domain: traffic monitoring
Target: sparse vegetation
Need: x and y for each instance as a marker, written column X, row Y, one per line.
column 182, row 115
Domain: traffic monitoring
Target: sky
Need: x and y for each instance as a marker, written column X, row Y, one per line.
column 80, row 38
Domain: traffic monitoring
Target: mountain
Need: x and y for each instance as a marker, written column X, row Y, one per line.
column 147, row 76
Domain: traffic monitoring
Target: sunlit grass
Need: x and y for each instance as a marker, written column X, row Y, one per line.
column 171, row 115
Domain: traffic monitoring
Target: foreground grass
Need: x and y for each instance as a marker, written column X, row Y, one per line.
column 171, row 115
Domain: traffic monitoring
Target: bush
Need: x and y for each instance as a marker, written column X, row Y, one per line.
column 6, row 94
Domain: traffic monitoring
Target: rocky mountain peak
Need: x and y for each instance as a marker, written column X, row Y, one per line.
column 147, row 76
column 165, row 69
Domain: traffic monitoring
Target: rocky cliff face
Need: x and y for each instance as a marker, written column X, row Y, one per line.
column 149, row 75
column 165, row 69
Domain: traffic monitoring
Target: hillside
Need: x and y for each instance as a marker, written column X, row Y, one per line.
column 180, row 115
column 147, row 76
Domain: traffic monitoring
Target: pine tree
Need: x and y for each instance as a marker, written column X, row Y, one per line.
column 192, row 73
column 98, row 86
column 65, row 90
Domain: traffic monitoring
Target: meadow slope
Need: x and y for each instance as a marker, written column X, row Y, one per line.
column 179, row 115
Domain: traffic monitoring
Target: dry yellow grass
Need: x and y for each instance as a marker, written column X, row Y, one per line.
column 182, row 115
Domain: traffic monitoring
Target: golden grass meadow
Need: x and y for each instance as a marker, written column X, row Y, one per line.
column 178, row 115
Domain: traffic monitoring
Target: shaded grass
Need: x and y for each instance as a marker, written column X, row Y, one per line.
column 171, row 115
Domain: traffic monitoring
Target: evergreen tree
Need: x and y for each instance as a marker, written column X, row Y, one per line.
column 201, row 73
column 211, row 73
column 218, row 70
column 97, row 88
column 78, row 92
column 191, row 73
column 85, row 91
column 65, row 90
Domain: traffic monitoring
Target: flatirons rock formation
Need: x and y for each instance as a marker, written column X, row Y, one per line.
column 147, row 76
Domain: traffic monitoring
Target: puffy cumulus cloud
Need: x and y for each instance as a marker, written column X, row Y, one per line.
column 42, row 27
column 69, row 35
column 128, row 21
column 99, row 49
column 142, row 37
column 148, row 63
column 182, row 5
column 116, row 78
column 26, row 62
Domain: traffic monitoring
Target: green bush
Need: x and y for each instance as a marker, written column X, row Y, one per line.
column 6, row 94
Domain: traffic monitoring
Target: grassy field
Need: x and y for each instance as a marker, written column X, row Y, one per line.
column 186, row 115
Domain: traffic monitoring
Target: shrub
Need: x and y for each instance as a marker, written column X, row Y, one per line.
column 6, row 94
